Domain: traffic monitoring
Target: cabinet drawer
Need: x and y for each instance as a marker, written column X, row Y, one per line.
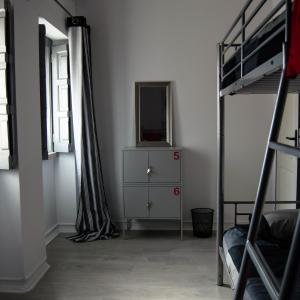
column 135, row 202
column 165, row 202
column 165, row 166
column 135, row 166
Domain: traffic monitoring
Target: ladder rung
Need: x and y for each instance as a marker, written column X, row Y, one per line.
column 285, row 149
column 264, row 271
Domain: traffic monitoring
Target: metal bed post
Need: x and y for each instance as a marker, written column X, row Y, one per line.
column 298, row 160
column 271, row 285
column 266, row 170
column 242, row 43
column 292, row 267
column 220, row 196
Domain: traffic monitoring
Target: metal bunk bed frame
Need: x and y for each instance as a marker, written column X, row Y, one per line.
column 267, row 78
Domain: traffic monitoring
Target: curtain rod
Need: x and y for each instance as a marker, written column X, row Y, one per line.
column 67, row 11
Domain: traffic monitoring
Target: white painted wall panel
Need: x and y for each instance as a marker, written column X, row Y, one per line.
column 49, row 194
column 65, row 186
column 141, row 40
column 21, row 197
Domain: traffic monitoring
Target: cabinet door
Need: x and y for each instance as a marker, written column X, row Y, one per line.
column 164, row 202
column 135, row 201
column 135, row 166
column 165, row 166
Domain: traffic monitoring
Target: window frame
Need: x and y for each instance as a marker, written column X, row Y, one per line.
column 9, row 156
column 49, row 87
column 49, row 94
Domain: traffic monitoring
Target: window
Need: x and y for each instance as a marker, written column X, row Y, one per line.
column 7, row 128
column 55, row 99
column 49, row 111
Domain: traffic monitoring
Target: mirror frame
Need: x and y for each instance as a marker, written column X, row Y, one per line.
column 169, row 139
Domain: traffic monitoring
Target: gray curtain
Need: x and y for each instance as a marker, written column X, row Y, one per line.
column 93, row 218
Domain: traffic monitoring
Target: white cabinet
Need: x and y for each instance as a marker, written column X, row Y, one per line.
column 165, row 202
column 152, row 184
column 135, row 198
column 165, row 166
column 135, row 165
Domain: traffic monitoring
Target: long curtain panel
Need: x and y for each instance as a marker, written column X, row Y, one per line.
column 93, row 219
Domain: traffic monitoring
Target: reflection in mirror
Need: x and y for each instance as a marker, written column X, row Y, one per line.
column 153, row 114
column 153, row 108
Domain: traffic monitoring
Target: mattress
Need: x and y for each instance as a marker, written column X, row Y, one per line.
column 268, row 51
column 256, row 290
column 234, row 241
column 234, row 237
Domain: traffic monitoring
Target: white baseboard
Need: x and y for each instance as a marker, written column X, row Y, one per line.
column 51, row 234
column 155, row 224
column 163, row 225
column 55, row 230
column 66, row 228
column 24, row 285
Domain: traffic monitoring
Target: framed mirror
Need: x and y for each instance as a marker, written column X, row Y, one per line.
column 153, row 111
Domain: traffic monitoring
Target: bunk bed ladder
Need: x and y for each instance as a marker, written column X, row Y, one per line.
column 277, row 290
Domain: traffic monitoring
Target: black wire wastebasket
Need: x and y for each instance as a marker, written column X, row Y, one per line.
column 202, row 222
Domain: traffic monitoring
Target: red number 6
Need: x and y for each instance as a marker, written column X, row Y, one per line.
column 176, row 191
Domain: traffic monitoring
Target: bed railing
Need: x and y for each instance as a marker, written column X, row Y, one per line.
column 252, row 253
column 236, row 205
column 238, row 31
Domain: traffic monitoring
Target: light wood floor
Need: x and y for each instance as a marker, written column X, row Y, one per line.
column 146, row 266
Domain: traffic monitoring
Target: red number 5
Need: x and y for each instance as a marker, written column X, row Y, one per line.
column 176, row 191
column 176, row 155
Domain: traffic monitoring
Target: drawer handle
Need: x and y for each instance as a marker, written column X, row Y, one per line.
column 149, row 170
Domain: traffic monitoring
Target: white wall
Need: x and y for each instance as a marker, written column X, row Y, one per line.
column 22, row 208
column 140, row 40
column 49, row 195
column 58, row 175
column 65, row 191
column 248, row 119
column 132, row 40
column 28, row 115
column 59, row 193
column 10, row 226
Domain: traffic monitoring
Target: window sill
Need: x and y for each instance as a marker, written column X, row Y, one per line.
column 52, row 155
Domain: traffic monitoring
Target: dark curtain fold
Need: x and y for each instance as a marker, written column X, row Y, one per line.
column 93, row 219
